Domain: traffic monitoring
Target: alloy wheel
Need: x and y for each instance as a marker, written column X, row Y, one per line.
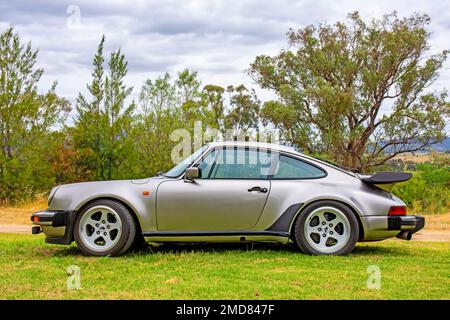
column 100, row 228
column 327, row 229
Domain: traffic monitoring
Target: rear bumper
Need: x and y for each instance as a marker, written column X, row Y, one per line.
column 57, row 225
column 401, row 223
column 383, row 227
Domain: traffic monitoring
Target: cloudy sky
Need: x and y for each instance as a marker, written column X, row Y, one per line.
column 217, row 38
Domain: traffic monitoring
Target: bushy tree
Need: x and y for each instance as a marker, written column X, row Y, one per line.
column 27, row 119
column 244, row 110
column 357, row 90
column 103, row 124
column 158, row 117
column 214, row 101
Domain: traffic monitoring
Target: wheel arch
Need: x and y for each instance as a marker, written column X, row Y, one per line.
column 352, row 209
column 124, row 203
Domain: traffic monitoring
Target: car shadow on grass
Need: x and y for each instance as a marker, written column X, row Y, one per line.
column 291, row 248
column 359, row 250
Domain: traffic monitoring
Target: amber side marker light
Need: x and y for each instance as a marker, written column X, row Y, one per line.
column 397, row 211
column 145, row 193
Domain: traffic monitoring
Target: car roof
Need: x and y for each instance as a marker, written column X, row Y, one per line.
column 254, row 144
column 277, row 147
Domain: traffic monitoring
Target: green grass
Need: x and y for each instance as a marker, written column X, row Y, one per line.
column 31, row 269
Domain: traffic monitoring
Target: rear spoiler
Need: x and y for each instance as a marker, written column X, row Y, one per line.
column 387, row 177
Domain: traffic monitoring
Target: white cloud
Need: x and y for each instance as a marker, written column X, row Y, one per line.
column 217, row 38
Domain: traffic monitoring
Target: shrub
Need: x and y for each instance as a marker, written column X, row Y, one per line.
column 429, row 189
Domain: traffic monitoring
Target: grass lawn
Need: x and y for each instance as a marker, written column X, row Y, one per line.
column 31, row 269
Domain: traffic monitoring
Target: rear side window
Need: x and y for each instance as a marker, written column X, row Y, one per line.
column 291, row 168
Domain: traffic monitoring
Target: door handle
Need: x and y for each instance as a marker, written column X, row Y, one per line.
column 259, row 189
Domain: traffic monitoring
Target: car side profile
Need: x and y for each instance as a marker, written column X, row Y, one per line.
column 231, row 192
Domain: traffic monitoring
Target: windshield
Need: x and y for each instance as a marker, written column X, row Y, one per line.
column 183, row 165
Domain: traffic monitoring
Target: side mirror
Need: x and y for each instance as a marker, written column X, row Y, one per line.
column 193, row 173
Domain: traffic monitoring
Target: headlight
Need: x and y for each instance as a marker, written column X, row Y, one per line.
column 52, row 193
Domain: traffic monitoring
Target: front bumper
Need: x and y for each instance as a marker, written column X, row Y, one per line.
column 383, row 227
column 57, row 225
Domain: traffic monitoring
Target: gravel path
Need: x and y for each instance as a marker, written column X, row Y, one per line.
column 430, row 235
column 15, row 228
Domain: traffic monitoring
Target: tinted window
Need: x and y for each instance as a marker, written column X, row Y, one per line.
column 290, row 168
column 237, row 163
column 181, row 167
column 207, row 164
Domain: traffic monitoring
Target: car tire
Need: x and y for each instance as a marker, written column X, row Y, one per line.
column 326, row 228
column 104, row 228
column 138, row 244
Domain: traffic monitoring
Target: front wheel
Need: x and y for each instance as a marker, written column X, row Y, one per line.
column 326, row 228
column 104, row 227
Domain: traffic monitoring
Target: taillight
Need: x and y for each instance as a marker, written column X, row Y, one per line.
column 397, row 211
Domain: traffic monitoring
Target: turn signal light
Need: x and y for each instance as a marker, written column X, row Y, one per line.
column 36, row 219
column 397, row 211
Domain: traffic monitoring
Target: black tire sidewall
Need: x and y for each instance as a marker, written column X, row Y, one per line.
column 300, row 237
column 128, row 229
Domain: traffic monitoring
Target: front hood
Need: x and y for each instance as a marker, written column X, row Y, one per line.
column 146, row 180
column 110, row 183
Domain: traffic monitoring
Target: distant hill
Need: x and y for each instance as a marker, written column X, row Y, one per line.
column 443, row 146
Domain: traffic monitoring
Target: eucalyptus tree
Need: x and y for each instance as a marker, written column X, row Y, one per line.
column 357, row 90
column 27, row 118
column 243, row 114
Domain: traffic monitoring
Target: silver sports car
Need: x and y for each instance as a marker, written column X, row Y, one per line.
column 231, row 191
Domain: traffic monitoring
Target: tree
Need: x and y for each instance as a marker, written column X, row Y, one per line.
column 215, row 106
column 191, row 99
column 188, row 86
column 159, row 116
column 356, row 91
column 244, row 109
column 103, row 125
column 118, row 116
column 66, row 159
column 88, row 130
column 26, row 120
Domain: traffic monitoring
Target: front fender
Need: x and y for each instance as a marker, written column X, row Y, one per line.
column 140, row 198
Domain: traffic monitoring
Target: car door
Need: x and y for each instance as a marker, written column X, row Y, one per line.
column 230, row 195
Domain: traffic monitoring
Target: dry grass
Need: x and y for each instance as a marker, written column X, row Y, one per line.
column 21, row 215
column 438, row 222
column 415, row 158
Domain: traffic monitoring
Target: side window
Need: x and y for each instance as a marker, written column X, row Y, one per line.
column 207, row 164
column 238, row 163
column 290, row 168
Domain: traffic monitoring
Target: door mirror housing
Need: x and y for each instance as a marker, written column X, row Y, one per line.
column 193, row 173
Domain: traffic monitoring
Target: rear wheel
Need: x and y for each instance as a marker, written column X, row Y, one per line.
column 326, row 228
column 104, row 227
